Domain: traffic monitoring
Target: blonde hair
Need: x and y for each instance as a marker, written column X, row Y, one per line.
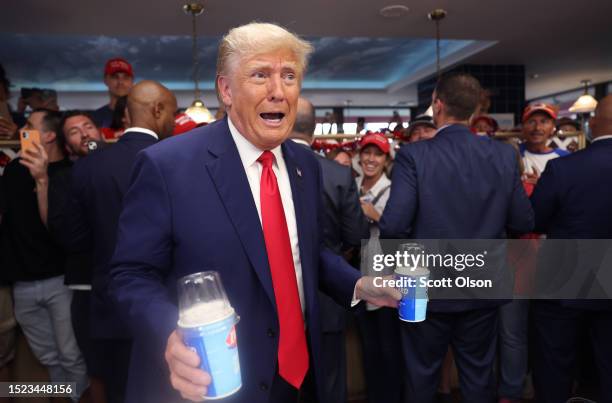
column 259, row 38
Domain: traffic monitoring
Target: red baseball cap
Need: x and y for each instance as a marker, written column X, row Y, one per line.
column 378, row 139
column 490, row 121
column 543, row 108
column 183, row 123
column 117, row 65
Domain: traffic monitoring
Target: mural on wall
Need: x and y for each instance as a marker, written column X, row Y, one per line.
column 75, row 63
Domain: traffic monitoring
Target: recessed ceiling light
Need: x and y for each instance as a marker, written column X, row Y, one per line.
column 394, row 11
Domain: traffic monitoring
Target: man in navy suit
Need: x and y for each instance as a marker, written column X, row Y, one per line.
column 237, row 198
column 572, row 201
column 99, row 183
column 455, row 185
column 344, row 226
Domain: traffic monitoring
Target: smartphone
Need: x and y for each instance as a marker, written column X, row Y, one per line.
column 28, row 138
column 27, row 92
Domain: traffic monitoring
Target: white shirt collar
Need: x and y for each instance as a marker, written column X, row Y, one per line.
column 447, row 125
column 382, row 182
column 442, row 128
column 248, row 152
column 607, row 136
column 302, row 142
column 142, row 130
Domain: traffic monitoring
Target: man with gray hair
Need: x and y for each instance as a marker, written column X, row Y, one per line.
column 234, row 197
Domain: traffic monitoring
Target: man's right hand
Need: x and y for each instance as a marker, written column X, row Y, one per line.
column 185, row 376
column 532, row 177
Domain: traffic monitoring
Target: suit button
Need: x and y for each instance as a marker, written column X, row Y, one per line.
column 271, row 333
column 263, row 386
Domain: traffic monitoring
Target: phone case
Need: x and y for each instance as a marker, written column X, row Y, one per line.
column 28, row 138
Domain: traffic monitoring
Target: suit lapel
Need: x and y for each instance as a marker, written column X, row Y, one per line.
column 228, row 175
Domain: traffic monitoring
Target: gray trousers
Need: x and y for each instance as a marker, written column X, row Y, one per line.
column 42, row 309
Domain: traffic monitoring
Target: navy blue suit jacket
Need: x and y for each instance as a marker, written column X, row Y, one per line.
column 456, row 185
column 572, row 201
column 344, row 226
column 189, row 209
column 99, row 183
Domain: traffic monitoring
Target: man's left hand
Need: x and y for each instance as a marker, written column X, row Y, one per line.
column 379, row 296
column 37, row 161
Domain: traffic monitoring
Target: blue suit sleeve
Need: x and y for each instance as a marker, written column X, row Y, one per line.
column 520, row 214
column 545, row 198
column 397, row 218
column 142, row 258
column 337, row 278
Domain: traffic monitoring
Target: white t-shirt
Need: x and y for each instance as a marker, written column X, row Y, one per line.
column 538, row 161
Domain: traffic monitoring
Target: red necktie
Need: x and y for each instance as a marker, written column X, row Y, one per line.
column 292, row 349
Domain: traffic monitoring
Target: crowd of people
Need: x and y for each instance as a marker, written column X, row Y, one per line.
column 95, row 235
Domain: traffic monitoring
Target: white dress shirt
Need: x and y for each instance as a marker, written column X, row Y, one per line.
column 605, row 137
column 142, row 130
column 249, row 155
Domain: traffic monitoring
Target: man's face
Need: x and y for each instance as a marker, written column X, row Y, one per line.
column 35, row 122
column 436, row 107
column 78, row 131
column 167, row 118
column 261, row 95
column 422, row 132
column 482, row 126
column 343, row 158
column 538, row 128
column 119, row 83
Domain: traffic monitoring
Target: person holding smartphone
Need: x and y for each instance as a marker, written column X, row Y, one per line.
column 31, row 259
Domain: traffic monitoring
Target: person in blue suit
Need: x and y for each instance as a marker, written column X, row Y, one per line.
column 99, row 184
column 572, row 201
column 344, row 226
column 455, row 185
column 206, row 200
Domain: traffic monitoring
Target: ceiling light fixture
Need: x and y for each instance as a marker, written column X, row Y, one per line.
column 436, row 16
column 197, row 111
column 585, row 103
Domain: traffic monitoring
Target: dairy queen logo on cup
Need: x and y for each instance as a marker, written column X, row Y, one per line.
column 231, row 338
